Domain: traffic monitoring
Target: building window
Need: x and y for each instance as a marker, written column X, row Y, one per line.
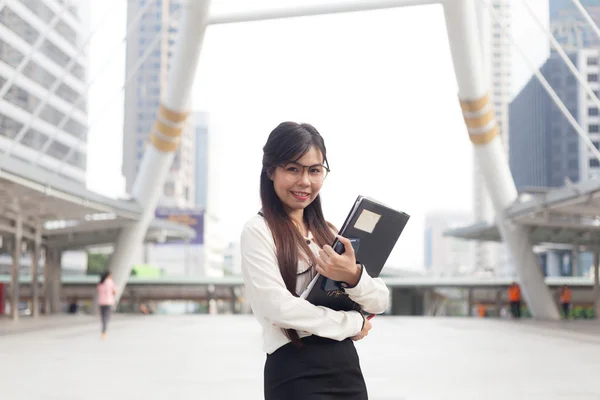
column 18, row 25
column 592, row 77
column 594, row 129
column 10, row 55
column 51, row 51
column 58, row 150
column 594, row 163
column 77, row 159
column 592, row 60
column 22, row 98
column 34, row 139
column 76, row 129
column 8, row 126
column 593, row 111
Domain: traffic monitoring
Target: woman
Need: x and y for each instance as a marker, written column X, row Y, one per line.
column 106, row 299
column 310, row 349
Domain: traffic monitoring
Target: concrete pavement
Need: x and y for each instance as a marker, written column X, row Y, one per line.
column 219, row 357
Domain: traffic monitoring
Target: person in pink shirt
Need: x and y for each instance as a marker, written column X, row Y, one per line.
column 106, row 299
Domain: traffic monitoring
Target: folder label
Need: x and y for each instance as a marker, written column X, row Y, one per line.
column 367, row 221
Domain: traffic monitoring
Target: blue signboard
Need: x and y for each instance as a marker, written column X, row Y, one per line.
column 194, row 218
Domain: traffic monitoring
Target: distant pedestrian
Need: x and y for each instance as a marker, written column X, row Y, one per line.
column 482, row 311
column 107, row 292
column 514, row 298
column 565, row 300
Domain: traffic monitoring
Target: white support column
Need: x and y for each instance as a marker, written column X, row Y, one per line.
column 46, row 281
column 16, row 268
column 307, row 10
column 52, row 283
column 35, row 262
column 473, row 88
column 596, row 289
column 165, row 136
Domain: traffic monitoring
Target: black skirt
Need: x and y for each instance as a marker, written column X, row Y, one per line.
column 322, row 369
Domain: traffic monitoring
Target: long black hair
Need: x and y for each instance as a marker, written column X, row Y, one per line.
column 103, row 276
column 289, row 141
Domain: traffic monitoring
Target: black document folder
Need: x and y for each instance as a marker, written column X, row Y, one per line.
column 373, row 228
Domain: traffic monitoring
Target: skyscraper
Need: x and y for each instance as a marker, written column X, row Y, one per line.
column 43, row 106
column 570, row 27
column 550, row 151
column 497, row 63
column 150, row 46
column 202, row 161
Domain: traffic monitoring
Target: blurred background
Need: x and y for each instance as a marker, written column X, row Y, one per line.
column 81, row 82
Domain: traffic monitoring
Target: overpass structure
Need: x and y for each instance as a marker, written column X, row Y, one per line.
column 565, row 216
column 410, row 295
column 45, row 215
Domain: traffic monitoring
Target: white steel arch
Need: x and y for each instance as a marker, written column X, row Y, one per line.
column 473, row 90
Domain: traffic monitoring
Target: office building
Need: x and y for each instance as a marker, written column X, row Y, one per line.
column 43, row 104
column 150, row 47
column 570, row 27
column 549, row 151
column 447, row 256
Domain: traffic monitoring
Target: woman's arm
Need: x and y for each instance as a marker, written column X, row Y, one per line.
column 370, row 293
column 270, row 298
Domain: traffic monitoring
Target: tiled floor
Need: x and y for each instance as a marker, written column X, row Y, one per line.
column 219, row 357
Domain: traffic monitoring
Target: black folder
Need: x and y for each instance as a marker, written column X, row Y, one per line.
column 373, row 228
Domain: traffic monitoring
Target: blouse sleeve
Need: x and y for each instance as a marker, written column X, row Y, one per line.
column 270, row 298
column 370, row 293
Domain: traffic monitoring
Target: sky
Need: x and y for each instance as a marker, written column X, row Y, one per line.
column 378, row 85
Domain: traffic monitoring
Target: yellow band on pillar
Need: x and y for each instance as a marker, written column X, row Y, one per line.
column 486, row 137
column 168, row 130
column 171, row 115
column 163, row 145
column 477, row 118
column 474, row 105
column 480, row 121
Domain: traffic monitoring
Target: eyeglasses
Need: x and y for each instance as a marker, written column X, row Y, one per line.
column 294, row 171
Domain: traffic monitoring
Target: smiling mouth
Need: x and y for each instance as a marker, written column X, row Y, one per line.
column 301, row 195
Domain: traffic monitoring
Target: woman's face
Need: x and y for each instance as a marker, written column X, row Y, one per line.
column 298, row 184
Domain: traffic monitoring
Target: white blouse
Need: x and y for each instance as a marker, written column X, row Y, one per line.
column 276, row 308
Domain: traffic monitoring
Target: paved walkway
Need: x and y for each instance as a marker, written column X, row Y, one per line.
column 218, row 357
column 30, row 324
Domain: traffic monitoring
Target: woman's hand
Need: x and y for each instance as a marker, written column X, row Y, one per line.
column 339, row 267
column 364, row 332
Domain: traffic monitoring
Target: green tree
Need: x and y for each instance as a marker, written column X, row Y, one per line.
column 97, row 263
